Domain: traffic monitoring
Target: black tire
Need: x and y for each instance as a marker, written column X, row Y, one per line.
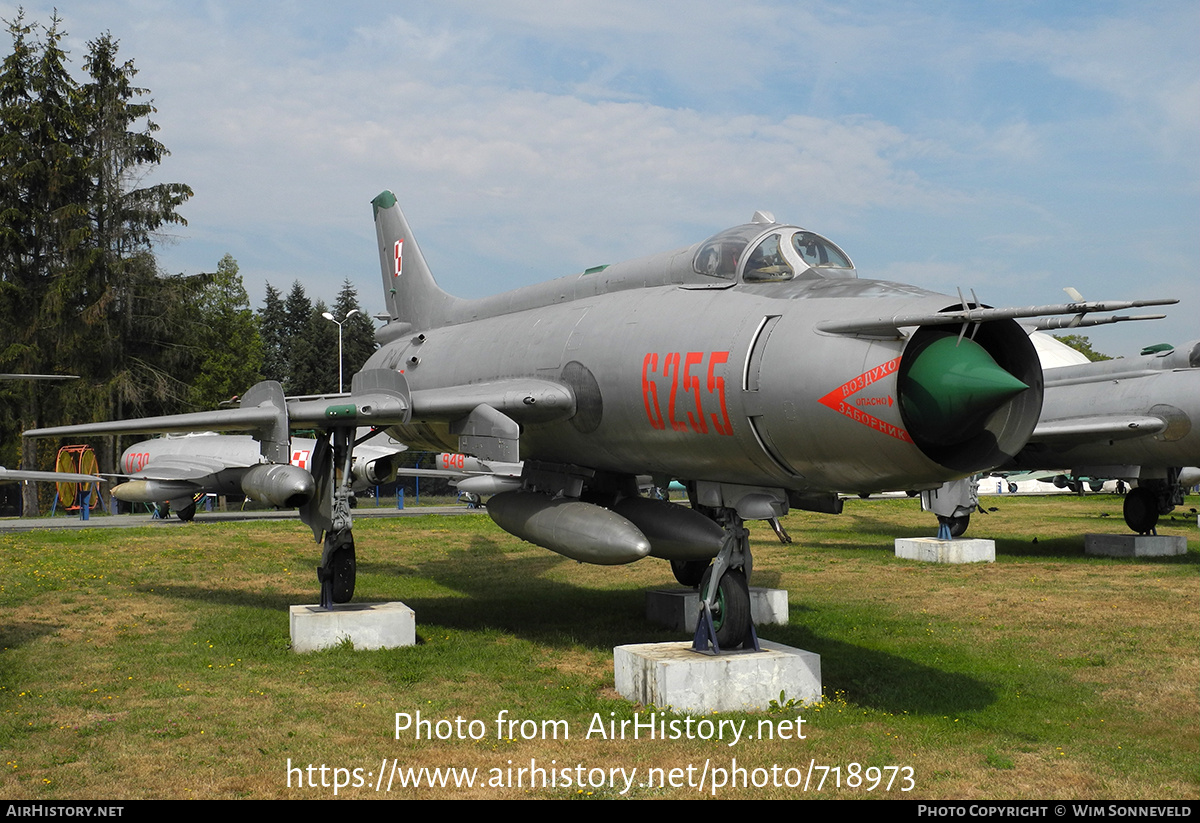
column 731, row 611
column 957, row 525
column 689, row 572
column 344, row 568
column 1012, row 488
column 1141, row 510
column 188, row 513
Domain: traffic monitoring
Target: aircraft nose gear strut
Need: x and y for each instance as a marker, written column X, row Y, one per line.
column 725, row 620
column 328, row 513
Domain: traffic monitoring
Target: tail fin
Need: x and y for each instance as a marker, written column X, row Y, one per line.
column 412, row 298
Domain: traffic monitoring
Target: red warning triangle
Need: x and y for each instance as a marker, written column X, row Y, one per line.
column 839, row 400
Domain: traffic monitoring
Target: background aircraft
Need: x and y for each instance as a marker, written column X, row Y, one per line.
column 754, row 367
column 176, row 468
column 1133, row 419
column 1125, row 419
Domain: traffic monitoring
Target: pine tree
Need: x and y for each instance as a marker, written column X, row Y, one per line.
column 314, row 359
column 43, row 187
column 358, row 331
column 298, row 309
column 272, row 329
column 228, row 346
column 120, row 148
column 17, row 351
column 79, row 287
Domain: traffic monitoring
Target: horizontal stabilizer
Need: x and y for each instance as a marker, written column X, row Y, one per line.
column 7, row 376
column 12, row 476
column 222, row 420
column 379, row 397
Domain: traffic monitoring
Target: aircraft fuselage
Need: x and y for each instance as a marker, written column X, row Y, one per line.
column 732, row 384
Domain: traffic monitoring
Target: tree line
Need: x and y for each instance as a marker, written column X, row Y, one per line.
column 81, row 291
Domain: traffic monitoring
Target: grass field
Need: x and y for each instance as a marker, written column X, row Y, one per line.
column 154, row 662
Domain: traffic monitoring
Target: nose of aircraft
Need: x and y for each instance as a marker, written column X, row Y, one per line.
column 951, row 387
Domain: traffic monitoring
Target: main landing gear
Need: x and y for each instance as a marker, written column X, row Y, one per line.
column 1151, row 498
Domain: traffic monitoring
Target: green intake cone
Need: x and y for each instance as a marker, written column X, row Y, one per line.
column 950, row 389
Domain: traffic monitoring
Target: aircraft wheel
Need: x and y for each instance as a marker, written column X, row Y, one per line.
column 731, row 612
column 689, row 572
column 343, row 566
column 958, row 525
column 1012, row 488
column 188, row 513
column 1141, row 510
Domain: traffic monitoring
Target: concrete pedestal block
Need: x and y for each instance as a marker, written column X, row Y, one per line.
column 958, row 550
column 671, row 674
column 680, row 608
column 1134, row 545
column 366, row 625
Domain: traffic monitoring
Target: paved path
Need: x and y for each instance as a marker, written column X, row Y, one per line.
column 125, row 521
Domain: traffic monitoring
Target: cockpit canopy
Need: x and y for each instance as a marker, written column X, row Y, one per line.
column 770, row 252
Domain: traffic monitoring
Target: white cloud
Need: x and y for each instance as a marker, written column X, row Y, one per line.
column 528, row 139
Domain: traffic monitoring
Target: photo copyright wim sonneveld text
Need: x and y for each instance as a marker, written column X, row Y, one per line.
column 394, row 774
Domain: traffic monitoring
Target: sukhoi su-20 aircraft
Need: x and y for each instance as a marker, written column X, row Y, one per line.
column 755, row 367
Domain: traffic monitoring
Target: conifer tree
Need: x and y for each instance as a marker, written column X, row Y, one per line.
column 272, row 326
column 79, row 287
column 314, row 359
column 358, row 331
column 41, row 217
column 228, row 346
column 119, row 145
column 298, row 309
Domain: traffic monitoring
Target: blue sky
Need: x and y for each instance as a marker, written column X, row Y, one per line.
column 1010, row 147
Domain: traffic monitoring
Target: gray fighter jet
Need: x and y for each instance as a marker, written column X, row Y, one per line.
column 1132, row 419
column 754, row 367
column 176, row 469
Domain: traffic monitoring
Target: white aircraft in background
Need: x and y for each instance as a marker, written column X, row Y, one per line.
column 175, row 469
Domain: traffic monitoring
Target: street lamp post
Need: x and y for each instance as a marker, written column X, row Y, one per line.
column 331, row 318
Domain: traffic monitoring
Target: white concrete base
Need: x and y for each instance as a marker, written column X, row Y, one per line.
column 958, row 550
column 680, row 608
column 672, row 675
column 365, row 625
column 1134, row 545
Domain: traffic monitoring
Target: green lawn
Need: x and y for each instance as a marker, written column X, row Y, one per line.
column 154, row 662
